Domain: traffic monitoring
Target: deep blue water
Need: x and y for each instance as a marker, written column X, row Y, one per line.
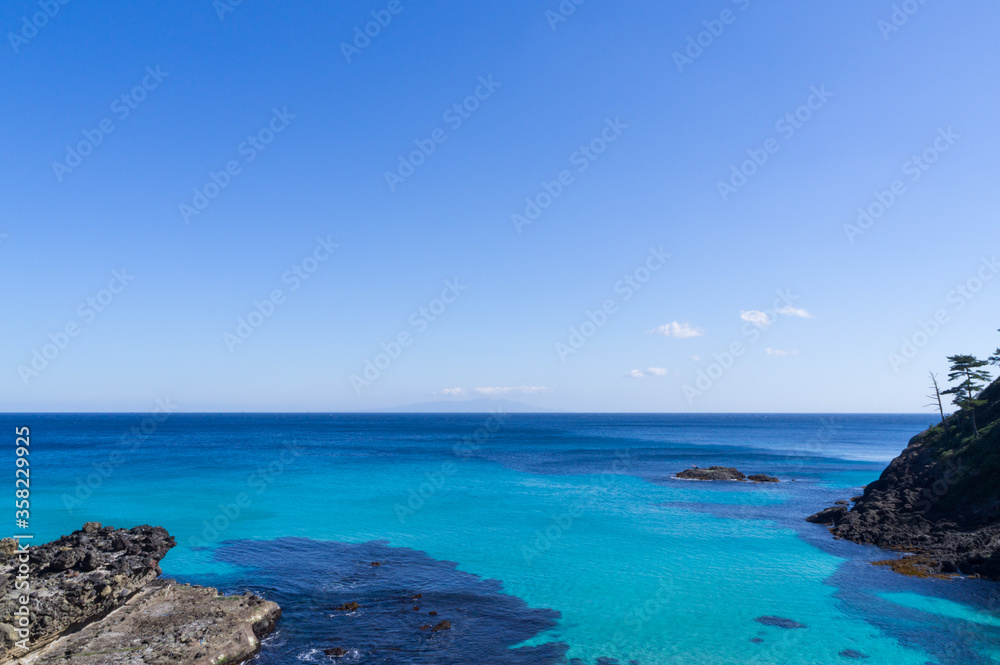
column 540, row 538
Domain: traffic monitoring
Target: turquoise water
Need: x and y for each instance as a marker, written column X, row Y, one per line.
column 572, row 514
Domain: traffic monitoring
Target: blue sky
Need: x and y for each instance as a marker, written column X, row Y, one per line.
column 614, row 122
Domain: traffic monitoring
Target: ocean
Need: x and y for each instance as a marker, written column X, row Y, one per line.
column 540, row 538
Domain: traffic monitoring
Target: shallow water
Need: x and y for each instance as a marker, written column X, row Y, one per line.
column 562, row 535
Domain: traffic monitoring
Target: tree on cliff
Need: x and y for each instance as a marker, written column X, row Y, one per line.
column 995, row 358
column 972, row 380
column 936, row 398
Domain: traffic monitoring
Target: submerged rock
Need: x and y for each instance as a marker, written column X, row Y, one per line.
column 487, row 624
column 711, row 473
column 780, row 622
column 851, row 653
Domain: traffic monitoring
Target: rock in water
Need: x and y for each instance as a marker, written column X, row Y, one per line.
column 780, row 622
column 831, row 515
column 761, row 478
column 851, row 653
column 101, row 582
column 711, row 473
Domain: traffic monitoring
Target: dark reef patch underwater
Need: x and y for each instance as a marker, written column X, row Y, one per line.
column 399, row 603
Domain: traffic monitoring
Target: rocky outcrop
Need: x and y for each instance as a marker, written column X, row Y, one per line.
column 722, row 473
column 79, row 576
column 939, row 501
column 831, row 515
column 711, row 473
column 166, row 623
column 94, row 599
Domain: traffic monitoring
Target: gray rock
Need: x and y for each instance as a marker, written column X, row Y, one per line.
column 168, row 623
column 95, row 600
column 711, row 473
column 80, row 576
column 831, row 515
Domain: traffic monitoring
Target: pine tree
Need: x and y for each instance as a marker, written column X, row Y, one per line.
column 972, row 380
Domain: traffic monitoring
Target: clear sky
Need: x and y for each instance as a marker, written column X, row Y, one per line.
column 169, row 167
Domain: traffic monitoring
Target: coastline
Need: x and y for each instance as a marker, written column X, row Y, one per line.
column 96, row 598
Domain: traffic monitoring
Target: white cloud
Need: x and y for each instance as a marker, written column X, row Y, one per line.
column 788, row 310
column 453, row 391
column 505, row 390
column 780, row 352
column 756, row 317
column 679, row 330
column 650, row 371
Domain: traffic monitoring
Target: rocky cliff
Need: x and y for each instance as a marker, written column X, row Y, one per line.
column 93, row 598
column 940, row 499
